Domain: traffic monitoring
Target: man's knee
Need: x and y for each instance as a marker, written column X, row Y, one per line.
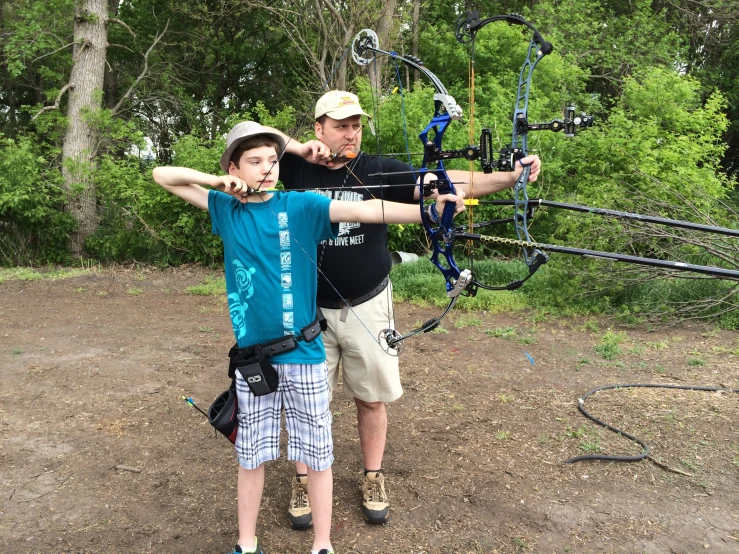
column 369, row 406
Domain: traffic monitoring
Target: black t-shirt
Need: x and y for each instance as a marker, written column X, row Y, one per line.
column 357, row 260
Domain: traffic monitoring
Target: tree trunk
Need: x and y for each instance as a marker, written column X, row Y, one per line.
column 84, row 101
column 384, row 26
column 414, row 38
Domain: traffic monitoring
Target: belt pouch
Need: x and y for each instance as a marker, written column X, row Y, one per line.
column 222, row 414
column 259, row 374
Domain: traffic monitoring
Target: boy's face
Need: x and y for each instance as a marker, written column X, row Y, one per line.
column 341, row 135
column 257, row 166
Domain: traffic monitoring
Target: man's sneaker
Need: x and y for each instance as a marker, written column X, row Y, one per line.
column 374, row 499
column 326, row 551
column 299, row 512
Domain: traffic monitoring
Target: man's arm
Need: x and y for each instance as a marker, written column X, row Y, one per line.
column 313, row 151
column 490, row 183
column 377, row 211
column 187, row 184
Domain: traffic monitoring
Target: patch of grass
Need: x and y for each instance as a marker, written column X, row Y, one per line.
column 212, row 286
column 659, row 369
column 134, row 291
column 576, row 433
column 205, row 329
column 31, row 274
column 696, row 361
column 440, row 330
column 590, row 325
column 16, row 351
column 657, row 345
column 581, row 362
column 504, row 398
column 543, row 438
column 590, row 447
column 609, row 346
column 80, row 289
column 636, row 350
column 467, row 321
column 502, row 435
column 102, row 293
column 502, row 332
column 694, row 467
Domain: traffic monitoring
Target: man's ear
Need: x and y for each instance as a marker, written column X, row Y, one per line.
column 318, row 129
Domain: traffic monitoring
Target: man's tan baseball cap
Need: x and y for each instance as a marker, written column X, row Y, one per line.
column 339, row 104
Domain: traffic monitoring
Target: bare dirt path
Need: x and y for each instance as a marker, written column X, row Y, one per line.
column 92, row 370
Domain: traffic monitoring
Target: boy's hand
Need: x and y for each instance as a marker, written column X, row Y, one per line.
column 458, row 199
column 233, row 186
column 535, row 163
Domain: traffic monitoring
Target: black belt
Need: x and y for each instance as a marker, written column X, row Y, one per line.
column 276, row 346
column 336, row 304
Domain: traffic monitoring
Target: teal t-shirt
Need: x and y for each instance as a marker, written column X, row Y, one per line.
column 269, row 261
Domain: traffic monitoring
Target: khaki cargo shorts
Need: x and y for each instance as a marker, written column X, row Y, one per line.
column 369, row 373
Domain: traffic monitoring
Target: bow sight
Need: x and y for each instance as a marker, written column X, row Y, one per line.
column 510, row 155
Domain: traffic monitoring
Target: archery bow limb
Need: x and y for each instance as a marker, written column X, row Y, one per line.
column 440, row 232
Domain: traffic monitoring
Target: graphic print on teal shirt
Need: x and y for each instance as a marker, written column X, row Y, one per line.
column 286, row 276
column 237, row 305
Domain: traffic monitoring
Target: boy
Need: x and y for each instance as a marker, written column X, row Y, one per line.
column 270, row 239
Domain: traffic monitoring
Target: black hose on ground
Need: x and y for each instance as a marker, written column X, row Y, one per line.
column 645, row 452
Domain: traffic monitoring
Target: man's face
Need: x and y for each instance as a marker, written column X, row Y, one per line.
column 341, row 135
column 257, row 166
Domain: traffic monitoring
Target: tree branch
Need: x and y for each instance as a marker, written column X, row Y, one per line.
column 122, row 24
column 143, row 71
column 57, row 50
column 113, row 44
column 56, row 103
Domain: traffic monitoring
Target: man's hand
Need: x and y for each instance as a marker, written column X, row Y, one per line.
column 457, row 199
column 535, row 163
column 316, row 152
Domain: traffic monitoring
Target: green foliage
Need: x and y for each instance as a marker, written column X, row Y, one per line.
column 34, row 231
column 609, row 346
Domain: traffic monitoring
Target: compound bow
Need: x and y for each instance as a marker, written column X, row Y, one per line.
column 441, row 231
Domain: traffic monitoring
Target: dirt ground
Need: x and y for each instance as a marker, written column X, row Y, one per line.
column 92, row 371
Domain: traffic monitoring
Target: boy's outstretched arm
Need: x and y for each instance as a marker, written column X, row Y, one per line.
column 377, row 211
column 188, row 184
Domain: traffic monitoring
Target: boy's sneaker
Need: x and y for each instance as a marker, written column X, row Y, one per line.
column 238, row 550
column 374, row 499
column 326, row 551
column 299, row 513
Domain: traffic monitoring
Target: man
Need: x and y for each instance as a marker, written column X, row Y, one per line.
column 354, row 291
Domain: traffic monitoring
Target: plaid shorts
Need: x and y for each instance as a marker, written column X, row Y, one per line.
column 303, row 394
